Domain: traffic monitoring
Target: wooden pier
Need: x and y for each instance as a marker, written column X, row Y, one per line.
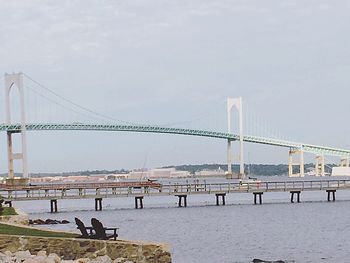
column 138, row 190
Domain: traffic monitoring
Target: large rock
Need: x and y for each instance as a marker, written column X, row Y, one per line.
column 47, row 221
column 29, row 260
column 103, row 259
column 22, row 255
column 40, row 259
column 119, row 260
column 5, row 258
column 9, row 253
column 83, row 260
column 53, row 258
column 42, row 253
column 51, row 221
column 38, row 222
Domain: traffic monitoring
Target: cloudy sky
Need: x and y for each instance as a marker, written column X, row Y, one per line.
column 174, row 63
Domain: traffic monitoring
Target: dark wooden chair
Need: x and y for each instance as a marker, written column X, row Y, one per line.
column 9, row 203
column 101, row 231
column 1, row 207
column 83, row 229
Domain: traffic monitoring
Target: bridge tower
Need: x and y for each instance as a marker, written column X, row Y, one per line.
column 319, row 165
column 300, row 164
column 15, row 80
column 235, row 103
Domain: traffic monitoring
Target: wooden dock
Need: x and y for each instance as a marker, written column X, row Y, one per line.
column 138, row 190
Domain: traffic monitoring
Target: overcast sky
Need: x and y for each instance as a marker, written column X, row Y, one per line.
column 174, row 63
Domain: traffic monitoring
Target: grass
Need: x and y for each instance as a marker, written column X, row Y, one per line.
column 8, row 211
column 24, row 231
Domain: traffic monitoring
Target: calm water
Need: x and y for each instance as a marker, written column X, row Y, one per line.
column 312, row 231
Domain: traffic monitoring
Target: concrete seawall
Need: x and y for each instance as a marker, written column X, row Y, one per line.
column 75, row 248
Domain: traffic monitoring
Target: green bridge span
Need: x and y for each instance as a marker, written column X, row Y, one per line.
column 316, row 149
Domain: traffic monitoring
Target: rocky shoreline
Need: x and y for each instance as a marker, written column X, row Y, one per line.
column 47, row 222
column 42, row 257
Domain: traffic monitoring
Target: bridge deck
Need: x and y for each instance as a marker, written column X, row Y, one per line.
column 115, row 190
column 316, row 149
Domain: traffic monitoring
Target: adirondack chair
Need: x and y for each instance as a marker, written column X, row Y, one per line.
column 1, row 207
column 101, row 231
column 83, row 229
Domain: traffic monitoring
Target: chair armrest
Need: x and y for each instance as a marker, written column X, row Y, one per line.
column 111, row 228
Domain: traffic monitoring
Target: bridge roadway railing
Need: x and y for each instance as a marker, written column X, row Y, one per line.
column 12, row 128
column 127, row 189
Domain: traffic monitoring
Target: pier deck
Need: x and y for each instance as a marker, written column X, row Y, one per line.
column 135, row 189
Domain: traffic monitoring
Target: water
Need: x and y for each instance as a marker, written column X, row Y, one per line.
column 312, row 231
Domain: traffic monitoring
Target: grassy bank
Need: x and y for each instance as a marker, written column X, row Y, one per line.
column 24, row 231
column 9, row 211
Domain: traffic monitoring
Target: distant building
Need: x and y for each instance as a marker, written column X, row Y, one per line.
column 115, row 177
column 158, row 173
column 341, row 171
column 168, row 173
column 140, row 174
column 208, row 173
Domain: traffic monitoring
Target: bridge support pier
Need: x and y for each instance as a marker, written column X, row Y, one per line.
column 329, row 194
column 319, row 165
column 98, row 204
column 260, row 197
column 53, row 204
column 300, row 164
column 292, row 196
column 180, row 200
column 222, row 195
column 138, row 199
column 344, row 162
column 229, row 174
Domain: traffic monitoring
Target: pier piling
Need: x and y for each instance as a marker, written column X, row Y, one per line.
column 98, row 204
column 180, row 200
column 222, row 198
column 53, row 204
column 138, row 199
column 329, row 194
column 292, row 196
column 260, row 197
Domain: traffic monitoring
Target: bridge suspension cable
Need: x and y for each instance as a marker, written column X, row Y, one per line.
column 256, row 125
column 60, row 104
column 94, row 114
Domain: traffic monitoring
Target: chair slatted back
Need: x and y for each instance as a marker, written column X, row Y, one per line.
column 81, row 227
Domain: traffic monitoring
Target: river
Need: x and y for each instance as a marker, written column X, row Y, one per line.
column 311, row 231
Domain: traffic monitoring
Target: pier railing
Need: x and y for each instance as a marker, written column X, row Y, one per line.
column 125, row 189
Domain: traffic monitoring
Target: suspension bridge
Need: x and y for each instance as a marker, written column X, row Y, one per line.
column 15, row 80
column 13, row 191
